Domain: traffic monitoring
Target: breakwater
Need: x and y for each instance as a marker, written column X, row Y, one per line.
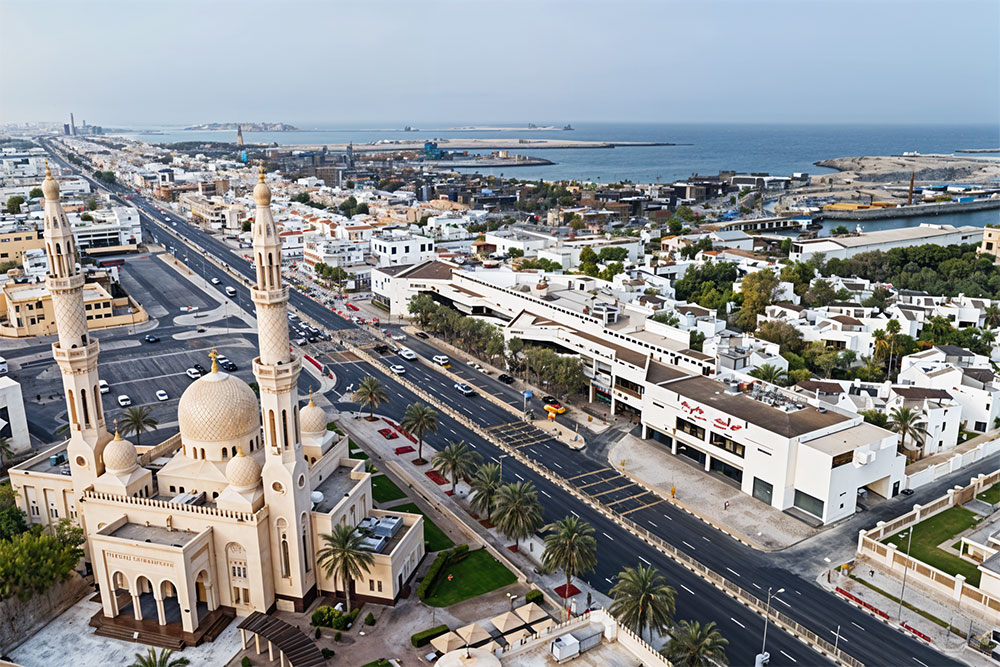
column 943, row 208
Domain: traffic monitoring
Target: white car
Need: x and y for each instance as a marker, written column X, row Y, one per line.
column 162, row 395
column 398, row 336
column 193, row 373
column 104, row 386
column 216, row 281
column 124, row 400
column 397, row 369
column 441, row 360
column 465, row 389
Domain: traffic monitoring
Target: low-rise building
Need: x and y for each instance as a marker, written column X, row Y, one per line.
column 26, row 309
column 389, row 249
column 843, row 247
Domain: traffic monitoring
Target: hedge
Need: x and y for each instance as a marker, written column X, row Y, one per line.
column 432, row 573
column 534, row 595
column 424, row 637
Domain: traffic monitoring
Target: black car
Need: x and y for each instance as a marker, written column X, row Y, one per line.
column 382, row 348
column 312, row 339
column 549, row 400
column 907, row 492
column 230, row 367
column 150, row 338
column 199, row 368
column 421, row 335
column 506, row 379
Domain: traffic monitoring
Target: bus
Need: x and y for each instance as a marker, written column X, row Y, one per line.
column 111, row 262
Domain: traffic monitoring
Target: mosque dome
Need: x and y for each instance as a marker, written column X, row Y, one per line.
column 218, row 407
column 50, row 188
column 243, row 471
column 313, row 418
column 120, row 455
column 261, row 193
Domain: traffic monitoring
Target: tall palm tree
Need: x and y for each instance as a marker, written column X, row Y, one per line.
column 456, row 460
column 371, row 393
column 881, row 348
column 418, row 419
column 570, row 546
column 343, row 558
column 518, row 512
column 908, row 422
column 642, row 599
column 486, row 484
column 695, row 645
column 892, row 328
column 136, row 421
column 992, row 316
column 163, row 659
column 770, row 373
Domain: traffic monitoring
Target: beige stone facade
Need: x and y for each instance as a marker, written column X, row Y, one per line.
column 28, row 310
column 991, row 241
column 227, row 517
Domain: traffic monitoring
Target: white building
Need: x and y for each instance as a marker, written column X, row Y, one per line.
column 331, row 252
column 968, row 378
column 13, row 423
column 389, row 249
column 903, row 237
column 110, row 227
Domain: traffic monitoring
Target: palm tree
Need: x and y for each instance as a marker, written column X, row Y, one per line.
column 343, row 558
column 518, row 512
column 881, row 349
column 164, row 659
column 371, row 393
column 770, row 373
column 908, row 422
column 696, row 645
column 6, row 451
column 456, row 460
column 136, row 420
column 642, row 599
column 486, row 484
column 418, row 419
column 892, row 328
column 570, row 546
column 992, row 316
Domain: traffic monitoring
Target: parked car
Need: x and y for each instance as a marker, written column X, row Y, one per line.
column 199, row 368
column 162, row 395
column 421, row 335
column 124, row 400
column 465, row 389
column 907, row 492
column 193, row 373
column 549, row 400
column 104, row 386
column 150, row 338
column 506, row 379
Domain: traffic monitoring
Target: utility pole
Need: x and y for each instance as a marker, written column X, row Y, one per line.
column 906, row 568
column 767, row 615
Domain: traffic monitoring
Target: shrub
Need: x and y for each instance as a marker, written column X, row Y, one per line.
column 336, row 637
column 534, row 595
column 327, row 653
column 370, row 619
column 424, row 637
column 245, row 662
column 318, row 633
column 329, row 617
column 458, row 553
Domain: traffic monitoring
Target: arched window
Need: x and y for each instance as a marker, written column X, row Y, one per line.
column 72, row 409
column 270, row 424
column 285, row 567
column 284, row 428
column 296, row 436
column 225, row 453
column 86, row 411
column 305, row 542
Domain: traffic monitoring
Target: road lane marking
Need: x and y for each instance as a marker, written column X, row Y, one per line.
column 706, row 539
column 737, row 622
column 556, row 464
column 607, row 536
column 687, row 589
column 690, row 546
column 644, row 560
column 783, row 602
column 734, row 571
column 788, row 656
column 574, row 514
column 545, row 494
column 860, row 627
column 756, row 586
column 608, row 580
column 842, row 637
column 922, row 663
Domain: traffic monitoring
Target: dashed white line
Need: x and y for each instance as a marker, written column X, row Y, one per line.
column 557, row 465
column 756, row 586
column 783, row 602
column 519, row 477
column 788, row 656
column 737, row 622
column 574, row 514
column 690, row 546
column 687, row 589
column 651, row 523
column 705, row 538
column 734, row 571
column 608, row 580
column 644, row 560
column 546, row 495
column 859, row 627
column 922, row 663
column 607, row 536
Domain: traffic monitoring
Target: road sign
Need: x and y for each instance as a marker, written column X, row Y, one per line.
column 527, row 393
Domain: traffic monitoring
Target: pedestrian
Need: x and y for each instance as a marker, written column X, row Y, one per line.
column 871, row 573
column 726, row 505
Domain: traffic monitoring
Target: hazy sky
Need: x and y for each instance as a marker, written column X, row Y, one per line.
column 382, row 61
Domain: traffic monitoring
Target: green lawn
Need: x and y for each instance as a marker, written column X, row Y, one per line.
column 478, row 573
column 385, row 490
column 934, row 531
column 355, row 453
column 991, row 495
column 434, row 536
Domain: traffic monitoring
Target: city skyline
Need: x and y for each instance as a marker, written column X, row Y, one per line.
column 770, row 62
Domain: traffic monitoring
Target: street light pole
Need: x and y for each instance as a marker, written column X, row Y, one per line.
column 767, row 615
column 906, row 568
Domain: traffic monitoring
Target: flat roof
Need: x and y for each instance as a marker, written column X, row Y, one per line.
column 890, row 235
column 658, row 373
column 334, row 487
column 139, row 532
column 786, row 424
column 848, row 439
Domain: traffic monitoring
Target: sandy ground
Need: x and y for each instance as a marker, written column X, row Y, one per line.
column 894, row 169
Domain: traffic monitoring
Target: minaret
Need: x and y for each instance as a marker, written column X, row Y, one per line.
column 239, row 135
column 285, row 474
column 75, row 351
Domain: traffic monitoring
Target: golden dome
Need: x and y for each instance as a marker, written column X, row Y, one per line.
column 218, row 407
column 120, row 455
column 50, row 188
column 243, row 471
column 313, row 418
column 261, row 193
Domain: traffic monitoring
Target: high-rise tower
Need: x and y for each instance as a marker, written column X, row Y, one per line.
column 72, row 125
column 285, row 475
column 75, row 352
column 239, row 135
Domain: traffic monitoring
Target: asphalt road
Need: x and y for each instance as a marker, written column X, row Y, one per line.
column 863, row 637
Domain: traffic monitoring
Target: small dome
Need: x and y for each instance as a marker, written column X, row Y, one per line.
column 313, row 418
column 243, row 471
column 218, row 407
column 50, row 188
column 261, row 193
column 120, row 455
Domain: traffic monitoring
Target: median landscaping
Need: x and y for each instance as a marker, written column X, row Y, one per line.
column 929, row 533
column 434, row 536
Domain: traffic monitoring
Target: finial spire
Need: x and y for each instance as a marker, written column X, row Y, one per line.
column 311, row 404
column 239, row 451
column 48, row 172
column 260, row 172
column 117, row 435
column 214, row 355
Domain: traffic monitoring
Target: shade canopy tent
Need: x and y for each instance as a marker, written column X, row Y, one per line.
column 542, row 625
column 447, row 642
column 507, row 621
column 517, row 636
column 473, row 633
column 530, row 613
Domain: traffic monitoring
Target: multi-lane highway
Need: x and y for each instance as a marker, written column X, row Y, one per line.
column 860, row 635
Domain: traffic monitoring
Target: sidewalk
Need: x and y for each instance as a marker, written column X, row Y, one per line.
column 947, row 642
column 706, row 496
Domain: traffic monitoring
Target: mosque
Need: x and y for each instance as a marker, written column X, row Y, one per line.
column 226, row 517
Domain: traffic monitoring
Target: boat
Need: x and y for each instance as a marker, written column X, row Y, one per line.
column 567, row 127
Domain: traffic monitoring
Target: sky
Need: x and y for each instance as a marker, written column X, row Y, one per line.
column 309, row 63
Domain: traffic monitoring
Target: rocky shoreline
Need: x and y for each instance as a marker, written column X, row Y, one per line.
column 897, row 169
